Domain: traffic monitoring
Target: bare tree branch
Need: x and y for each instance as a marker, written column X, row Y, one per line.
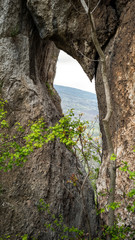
column 93, row 60
column 85, row 6
column 95, row 7
column 84, row 181
column 106, row 120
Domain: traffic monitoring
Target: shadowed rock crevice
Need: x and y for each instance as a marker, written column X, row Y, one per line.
column 115, row 30
column 27, row 69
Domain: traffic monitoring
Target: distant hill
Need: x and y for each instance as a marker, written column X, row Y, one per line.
column 81, row 101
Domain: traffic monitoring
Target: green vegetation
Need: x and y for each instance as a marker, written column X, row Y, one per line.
column 8, row 237
column 120, row 231
column 73, row 132
column 50, row 90
column 56, row 224
column 15, row 149
column 78, row 137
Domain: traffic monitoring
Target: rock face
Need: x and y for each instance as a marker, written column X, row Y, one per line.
column 67, row 25
column 27, row 70
column 120, row 52
column 28, row 58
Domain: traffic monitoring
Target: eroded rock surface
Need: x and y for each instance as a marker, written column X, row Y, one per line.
column 28, row 59
column 27, row 70
column 67, row 25
column 120, row 53
column 114, row 21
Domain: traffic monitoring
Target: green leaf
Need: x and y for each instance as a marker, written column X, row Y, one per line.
column 25, row 237
column 114, row 205
column 113, row 157
column 131, row 193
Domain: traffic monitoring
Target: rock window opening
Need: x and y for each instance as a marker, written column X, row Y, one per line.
column 74, row 88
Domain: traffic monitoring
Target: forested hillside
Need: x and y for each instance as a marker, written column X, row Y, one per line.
column 81, row 101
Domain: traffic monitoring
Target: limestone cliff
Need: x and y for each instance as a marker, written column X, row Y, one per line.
column 28, row 57
column 67, row 25
column 27, row 70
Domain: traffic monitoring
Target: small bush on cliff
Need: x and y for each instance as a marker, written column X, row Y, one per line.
column 73, row 132
column 77, row 136
column 14, row 149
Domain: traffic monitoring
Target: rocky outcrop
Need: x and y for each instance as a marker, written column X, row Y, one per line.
column 28, row 59
column 120, row 53
column 27, row 70
column 68, row 27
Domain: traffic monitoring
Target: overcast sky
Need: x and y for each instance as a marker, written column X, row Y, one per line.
column 69, row 73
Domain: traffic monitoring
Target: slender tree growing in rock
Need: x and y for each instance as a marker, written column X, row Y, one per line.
column 107, row 118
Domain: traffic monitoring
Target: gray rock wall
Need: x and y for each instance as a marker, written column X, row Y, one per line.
column 27, row 68
column 27, row 63
column 114, row 21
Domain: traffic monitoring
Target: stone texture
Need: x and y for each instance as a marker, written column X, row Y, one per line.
column 114, row 22
column 28, row 61
column 67, row 25
column 120, row 53
column 27, row 70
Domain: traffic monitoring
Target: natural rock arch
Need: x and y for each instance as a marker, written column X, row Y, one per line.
column 28, row 61
column 68, row 27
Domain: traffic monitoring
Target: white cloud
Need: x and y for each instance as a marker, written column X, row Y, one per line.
column 69, row 73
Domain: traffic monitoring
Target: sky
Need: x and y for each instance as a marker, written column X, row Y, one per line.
column 69, row 73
